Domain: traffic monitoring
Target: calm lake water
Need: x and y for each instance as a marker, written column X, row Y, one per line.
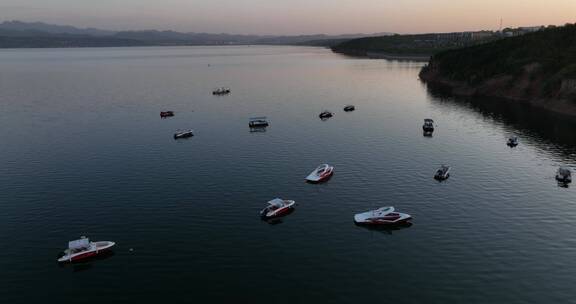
column 83, row 151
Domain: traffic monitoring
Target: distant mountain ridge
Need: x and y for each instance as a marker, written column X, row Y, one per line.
column 16, row 25
column 18, row 34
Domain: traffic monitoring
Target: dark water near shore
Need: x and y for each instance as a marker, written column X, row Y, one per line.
column 84, row 152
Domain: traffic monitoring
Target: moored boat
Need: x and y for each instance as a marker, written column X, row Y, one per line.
column 442, row 173
column 428, row 125
column 277, row 208
column 385, row 216
column 349, row 108
column 325, row 115
column 165, row 114
column 221, row 91
column 564, row 175
column 258, row 122
column 320, row 174
column 183, row 134
column 512, row 141
column 83, row 249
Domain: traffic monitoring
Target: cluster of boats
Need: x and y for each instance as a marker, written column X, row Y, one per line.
column 563, row 175
column 83, row 248
column 443, row 173
column 324, row 115
column 256, row 124
column 384, row 216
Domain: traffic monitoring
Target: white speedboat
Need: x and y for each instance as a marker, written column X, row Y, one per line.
column 258, row 122
column 183, row 134
column 382, row 216
column 320, row 174
column 82, row 249
column 276, row 208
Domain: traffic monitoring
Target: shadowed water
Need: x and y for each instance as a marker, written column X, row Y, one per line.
column 84, row 152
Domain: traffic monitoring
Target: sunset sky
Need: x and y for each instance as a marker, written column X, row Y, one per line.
column 293, row 16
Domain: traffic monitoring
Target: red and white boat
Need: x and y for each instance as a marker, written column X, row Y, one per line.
column 165, row 114
column 320, row 174
column 82, row 249
column 382, row 216
column 276, row 208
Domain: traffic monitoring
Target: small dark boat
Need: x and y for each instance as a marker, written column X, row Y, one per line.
column 221, row 91
column 442, row 173
column 349, row 108
column 512, row 142
column 183, row 134
column 428, row 125
column 258, row 122
column 564, row 175
column 166, row 114
column 325, row 115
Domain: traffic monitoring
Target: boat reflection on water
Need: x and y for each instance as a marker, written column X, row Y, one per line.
column 541, row 128
column 385, row 229
column 257, row 130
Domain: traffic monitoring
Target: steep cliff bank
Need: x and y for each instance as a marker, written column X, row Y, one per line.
column 538, row 68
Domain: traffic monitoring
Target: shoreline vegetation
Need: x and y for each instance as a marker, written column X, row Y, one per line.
column 406, row 57
column 537, row 68
column 418, row 47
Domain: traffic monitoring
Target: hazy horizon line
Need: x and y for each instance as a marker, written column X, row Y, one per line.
column 253, row 34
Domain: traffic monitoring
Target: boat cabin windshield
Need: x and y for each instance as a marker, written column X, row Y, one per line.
column 79, row 245
column 276, row 203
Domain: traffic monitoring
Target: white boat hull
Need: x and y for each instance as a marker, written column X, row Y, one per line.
column 316, row 177
column 268, row 212
column 383, row 216
column 95, row 249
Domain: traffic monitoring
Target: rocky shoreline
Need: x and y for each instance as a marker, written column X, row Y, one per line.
column 524, row 87
column 384, row 55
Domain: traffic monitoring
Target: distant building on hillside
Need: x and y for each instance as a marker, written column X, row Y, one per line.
column 464, row 37
column 482, row 35
column 530, row 29
column 510, row 32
